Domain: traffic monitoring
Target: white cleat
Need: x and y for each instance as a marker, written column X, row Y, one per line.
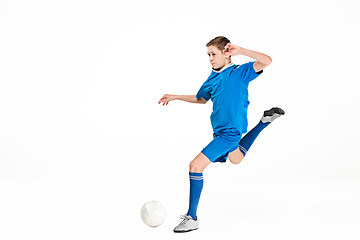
column 272, row 114
column 186, row 225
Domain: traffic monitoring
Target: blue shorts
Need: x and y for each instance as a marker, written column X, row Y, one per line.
column 223, row 143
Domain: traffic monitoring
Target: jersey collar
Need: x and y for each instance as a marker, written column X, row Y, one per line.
column 223, row 68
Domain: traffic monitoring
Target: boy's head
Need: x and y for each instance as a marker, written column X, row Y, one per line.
column 215, row 50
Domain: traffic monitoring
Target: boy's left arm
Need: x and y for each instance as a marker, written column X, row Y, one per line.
column 262, row 60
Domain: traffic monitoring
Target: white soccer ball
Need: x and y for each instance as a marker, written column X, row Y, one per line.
column 153, row 213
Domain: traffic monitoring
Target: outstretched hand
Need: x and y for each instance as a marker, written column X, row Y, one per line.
column 166, row 99
column 232, row 50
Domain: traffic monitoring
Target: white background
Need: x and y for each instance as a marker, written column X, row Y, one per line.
column 84, row 144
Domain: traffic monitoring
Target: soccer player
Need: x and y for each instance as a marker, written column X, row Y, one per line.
column 227, row 87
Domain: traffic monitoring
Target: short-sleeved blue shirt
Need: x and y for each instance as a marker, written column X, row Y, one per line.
column 228, row 90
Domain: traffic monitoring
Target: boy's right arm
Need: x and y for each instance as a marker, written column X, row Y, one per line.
column 187, row 98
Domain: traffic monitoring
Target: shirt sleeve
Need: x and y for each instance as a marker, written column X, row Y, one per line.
column 246, row 72
column 204, row 92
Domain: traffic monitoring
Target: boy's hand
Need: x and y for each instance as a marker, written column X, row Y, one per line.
column 232, row 50
column 166, row 99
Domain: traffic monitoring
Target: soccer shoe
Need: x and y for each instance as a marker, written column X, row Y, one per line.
column 186, row 225
column 272, row 114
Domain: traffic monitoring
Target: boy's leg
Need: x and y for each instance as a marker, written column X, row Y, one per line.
column 197, row 166
column 246, row 142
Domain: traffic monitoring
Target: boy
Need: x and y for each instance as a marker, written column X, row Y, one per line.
column 227, row 87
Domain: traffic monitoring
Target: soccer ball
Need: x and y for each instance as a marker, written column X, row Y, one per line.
column 153, row 213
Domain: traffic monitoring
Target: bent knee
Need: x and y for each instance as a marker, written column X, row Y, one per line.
column 236, row 156
column 235, row 161
column 194, row 167
column 199, row 163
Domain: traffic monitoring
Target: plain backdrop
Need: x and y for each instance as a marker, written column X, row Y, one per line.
column 84, row 143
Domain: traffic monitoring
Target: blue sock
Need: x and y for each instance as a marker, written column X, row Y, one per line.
column 246, row 142
column 196, row 185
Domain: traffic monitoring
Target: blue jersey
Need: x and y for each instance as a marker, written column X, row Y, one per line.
column 228, row 90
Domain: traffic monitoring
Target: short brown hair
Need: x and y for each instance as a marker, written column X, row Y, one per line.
column 220, row 42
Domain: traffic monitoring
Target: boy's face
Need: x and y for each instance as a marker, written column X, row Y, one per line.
column 217, row 58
